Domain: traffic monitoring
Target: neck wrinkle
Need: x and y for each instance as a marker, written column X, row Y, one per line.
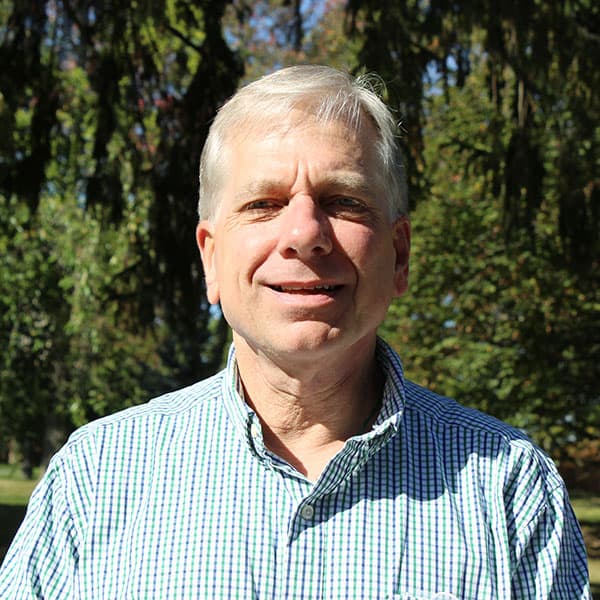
column 308, row 415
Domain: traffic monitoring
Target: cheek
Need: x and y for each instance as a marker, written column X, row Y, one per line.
column 374, row 256
column 365, row 247
column 354, row 239
column 242, row 254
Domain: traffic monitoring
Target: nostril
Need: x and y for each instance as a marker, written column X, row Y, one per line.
column 306, row 238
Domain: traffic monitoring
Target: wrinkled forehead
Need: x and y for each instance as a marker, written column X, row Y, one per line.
column 257, row 123
column 263, row 157
column 358, row 136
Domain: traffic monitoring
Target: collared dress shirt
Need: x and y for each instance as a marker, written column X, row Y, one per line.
column 180, row 498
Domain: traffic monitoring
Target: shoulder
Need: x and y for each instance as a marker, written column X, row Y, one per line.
column 424, row 409
column 141, row 430
column 445, row 412
column 126, row 444
column 498, row 473
column 170, row 407
column 104, row 464
column 471, row 436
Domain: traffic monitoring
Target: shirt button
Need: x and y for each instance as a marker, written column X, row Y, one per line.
column 255, row 430
column 307, row 512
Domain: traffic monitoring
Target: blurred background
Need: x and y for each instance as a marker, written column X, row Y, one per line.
column 104, row 108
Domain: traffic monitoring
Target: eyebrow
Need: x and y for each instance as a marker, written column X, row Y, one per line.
column 348, row 181
column 259, row 188
column 344, row 181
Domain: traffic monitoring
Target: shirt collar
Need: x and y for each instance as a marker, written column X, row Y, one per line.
column 246, row 421
column 394, row 389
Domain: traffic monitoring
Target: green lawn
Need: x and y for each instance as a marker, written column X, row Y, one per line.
column 14, row 495
column 15, row 492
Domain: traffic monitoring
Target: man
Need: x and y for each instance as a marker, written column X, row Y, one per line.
column 308, row 468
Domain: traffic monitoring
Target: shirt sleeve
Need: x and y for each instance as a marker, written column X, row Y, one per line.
column 42, row 561
column 549, row 559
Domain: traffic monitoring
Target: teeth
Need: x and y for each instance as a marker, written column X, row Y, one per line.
column 281, row 288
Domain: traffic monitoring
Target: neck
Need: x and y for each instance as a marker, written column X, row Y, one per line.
column 309, row 409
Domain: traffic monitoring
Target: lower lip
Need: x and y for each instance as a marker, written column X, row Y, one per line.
column 312, row 298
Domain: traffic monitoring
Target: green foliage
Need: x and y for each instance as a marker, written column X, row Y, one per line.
column 103, row 113
column 276, row 33
column 501, row 138
column 104, row 110
column 500, row 315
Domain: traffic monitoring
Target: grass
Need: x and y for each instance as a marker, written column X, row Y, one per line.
column 587, row 508
column 15, row 491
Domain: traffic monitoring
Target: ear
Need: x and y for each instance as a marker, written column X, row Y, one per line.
column 205, row 239
column 401, row 233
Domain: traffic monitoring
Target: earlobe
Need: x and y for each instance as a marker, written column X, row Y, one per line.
column 206, row 245
column 402, row 247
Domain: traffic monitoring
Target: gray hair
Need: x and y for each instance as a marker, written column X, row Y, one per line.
column 330, row 95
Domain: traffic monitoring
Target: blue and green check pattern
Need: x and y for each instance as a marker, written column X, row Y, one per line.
column 179, row 498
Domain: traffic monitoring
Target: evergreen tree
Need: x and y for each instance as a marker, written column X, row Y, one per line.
column 104, row 108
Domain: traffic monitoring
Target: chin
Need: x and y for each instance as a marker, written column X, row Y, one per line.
column 305, row 344
column 299, row 341
column 302, row 340
column 315, row 342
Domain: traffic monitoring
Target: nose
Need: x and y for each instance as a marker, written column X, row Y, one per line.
column 305, row 230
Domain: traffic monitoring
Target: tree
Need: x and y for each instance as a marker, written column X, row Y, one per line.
column 504, row 146
column 270, row 34
column 104, row 109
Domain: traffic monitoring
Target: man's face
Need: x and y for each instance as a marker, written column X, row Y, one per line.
column 302, row 252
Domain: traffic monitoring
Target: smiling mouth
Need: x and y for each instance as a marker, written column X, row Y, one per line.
column 312, row 289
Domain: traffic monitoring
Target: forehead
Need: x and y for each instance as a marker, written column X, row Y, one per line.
column 255, row 123
column 300, row 138
column 303, row 155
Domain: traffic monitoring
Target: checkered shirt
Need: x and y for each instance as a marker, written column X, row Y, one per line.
column 180, row 498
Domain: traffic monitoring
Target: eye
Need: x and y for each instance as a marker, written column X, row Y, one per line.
column 347, row 204
column 351, row 208
column 261, row 209
column 262, row 204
